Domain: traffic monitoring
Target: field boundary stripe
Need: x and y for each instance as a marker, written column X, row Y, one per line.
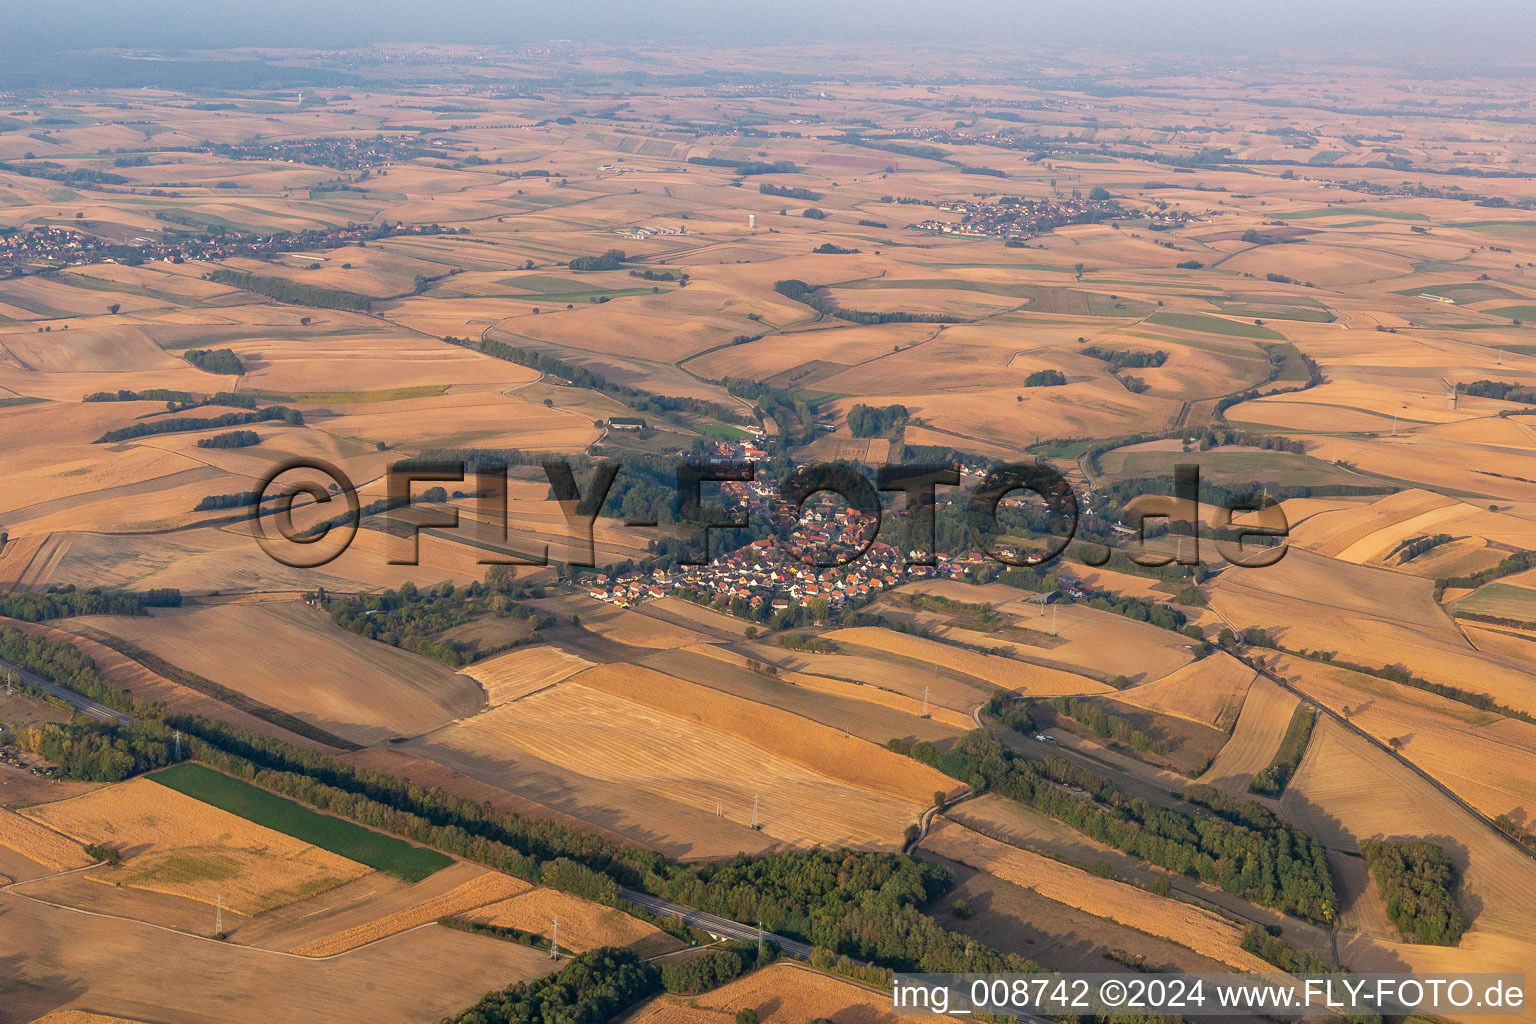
column 380, row 851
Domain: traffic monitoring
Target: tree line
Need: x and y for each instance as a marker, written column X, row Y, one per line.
column 1045, row 379
column 232, row 439
column 641, row 401
column 1239, row 845
column 613, row 259
column 68, row 601
column 465, row 822
column 1408, row 550
column 789, row 192
column 291, row 292
column 1119, row 359
column 808, row 295
column 592, row 988
column 1291, row 960
column 175, row 400
column 1501, row 390
column 96, row 752
column 1103, row 724
column 1272, row 780
column 856, row 904
column 62, row 664
column 182, row 424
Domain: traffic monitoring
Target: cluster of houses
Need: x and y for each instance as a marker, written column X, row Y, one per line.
column 64, row 247
column 46, row 243
column 1014, row 217
column 342, row 152
column 780, row 573
column 642, row 233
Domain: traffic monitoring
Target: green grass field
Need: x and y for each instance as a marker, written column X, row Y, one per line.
column 1230, row 468
column 352, row 397
column 1504, row 600
column 1352, row 211
column 344, row 838
column 1258, row 312
column 1215, row 325
column 721, row 431
column 1515, row 312
column 1474, row 291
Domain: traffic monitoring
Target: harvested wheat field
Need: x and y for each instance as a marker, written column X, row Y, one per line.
column 1023, row 677
column 820, row 748
column 868, row 692
column 1209, row 691
column 304, row 664
column 906, row 676
column 1255, row 739
column 43, row 845
column 1191, row 927
column 82, row 1017
column 507, row 677
column 635, row 629
column 783, row 993
column 485, row 888
column 633, row 752
column 174, row 844
column 1485, row 758
column 584, row 925
column 126, row 969
column 1347, row 790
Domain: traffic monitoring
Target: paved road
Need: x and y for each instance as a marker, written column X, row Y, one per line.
column 720, row 926
column 85, row 705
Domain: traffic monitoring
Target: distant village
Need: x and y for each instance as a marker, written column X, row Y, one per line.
column 22, row 249
column 775, row 574
column 1013, row 217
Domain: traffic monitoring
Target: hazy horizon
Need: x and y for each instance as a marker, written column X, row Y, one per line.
column 1436, row 27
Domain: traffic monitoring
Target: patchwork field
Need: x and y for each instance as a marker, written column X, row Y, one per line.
column 1210, row 691
column 510, row 676
column 1346, row 791
column 484, row 888
column 1034, row 680
column 626, row 748
column 39, row 843
column 583, row 925
column 781, row 994
column 375, row 849
column 1256, row 737
column 819, row 747
column 1312, row 277
column 174, row 844
column 1200, row 930
column 357, row 688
